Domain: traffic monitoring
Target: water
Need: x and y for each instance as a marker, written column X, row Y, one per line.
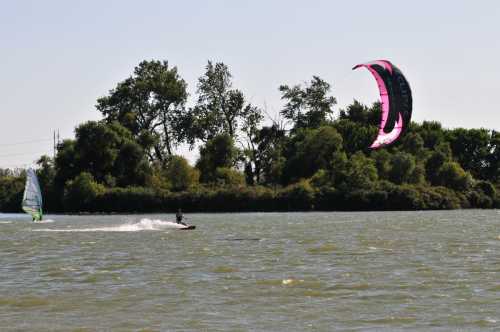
column 252, row 272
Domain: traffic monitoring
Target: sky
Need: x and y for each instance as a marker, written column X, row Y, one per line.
column 58, row 57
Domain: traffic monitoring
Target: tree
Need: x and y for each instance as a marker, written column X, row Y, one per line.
column 492, row 171
column 309, row 106
column 435, row 161
column 431, row 132
column 150, row 104
column 360, row 113
column 270, row 142
column 46, row 174
column 81, row 191
column 413, row 143
column 11, row 190
column 229, row 177
column 65, row 164
column 357, row 173
column 453, row 176
column 382, row 160
column 180, row 175
column 402, row 168
column 219, row 107
column 252, row 117
column 217, row 152
column 471, row 148
column 310, row 150
column 106, row 151
column 355, row 136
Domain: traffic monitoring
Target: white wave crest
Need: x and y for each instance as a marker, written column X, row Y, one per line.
column 143, row 225
column 44, row 221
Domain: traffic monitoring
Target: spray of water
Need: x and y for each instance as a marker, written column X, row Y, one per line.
column 144, row 224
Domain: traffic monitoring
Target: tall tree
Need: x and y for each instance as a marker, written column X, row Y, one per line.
column 106, row 151
column 471, row 148
column 309, row 106
column 252, row 117
column 493, row 159
column 219, row 107
column 150, row 103
column 270, row 142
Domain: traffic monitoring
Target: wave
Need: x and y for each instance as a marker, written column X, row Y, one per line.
column 5, row 222
column 144, row 224
column 45, row 221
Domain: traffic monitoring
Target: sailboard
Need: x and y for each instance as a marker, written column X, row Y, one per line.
column 32, row 198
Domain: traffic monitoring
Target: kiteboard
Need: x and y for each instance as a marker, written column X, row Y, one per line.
column 187, row 227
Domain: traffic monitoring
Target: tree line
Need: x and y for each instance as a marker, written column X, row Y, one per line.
column 312, row 158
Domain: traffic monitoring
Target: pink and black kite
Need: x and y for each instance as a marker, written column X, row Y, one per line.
column 395, row 93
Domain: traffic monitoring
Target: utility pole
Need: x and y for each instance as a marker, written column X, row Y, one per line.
column 57, row 141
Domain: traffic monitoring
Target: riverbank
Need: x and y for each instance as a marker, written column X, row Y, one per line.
column 298, row 197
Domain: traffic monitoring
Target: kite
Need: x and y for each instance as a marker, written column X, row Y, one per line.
column 396, row 100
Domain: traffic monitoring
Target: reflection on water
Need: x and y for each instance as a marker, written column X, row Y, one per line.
column 261, row 272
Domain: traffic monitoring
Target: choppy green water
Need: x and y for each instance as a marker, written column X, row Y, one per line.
column 252, row 272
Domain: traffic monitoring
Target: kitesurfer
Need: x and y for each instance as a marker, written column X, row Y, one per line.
column 179, row 216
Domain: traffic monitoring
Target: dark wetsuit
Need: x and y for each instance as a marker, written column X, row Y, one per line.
column 178, row 218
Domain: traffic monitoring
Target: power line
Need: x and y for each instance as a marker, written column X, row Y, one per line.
column 26, row 142
column 21, row 154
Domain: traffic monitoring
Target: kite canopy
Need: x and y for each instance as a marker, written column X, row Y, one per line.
column 396, row 98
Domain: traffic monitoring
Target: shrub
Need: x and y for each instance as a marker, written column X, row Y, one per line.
column 298, row 196
column 180, row 174
column 80, row 192
column 229, row 177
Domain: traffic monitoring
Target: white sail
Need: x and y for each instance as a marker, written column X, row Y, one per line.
column 32, row 198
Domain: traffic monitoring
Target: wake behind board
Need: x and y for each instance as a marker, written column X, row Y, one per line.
column 188, row 227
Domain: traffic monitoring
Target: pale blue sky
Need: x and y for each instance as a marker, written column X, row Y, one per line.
column 58, row 57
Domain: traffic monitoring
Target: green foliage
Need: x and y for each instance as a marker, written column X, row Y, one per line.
column 413, row 143
column 218, row 152
column 434, row 163
column 309, row 106
column 229, row 177
column 471, row 149
column 219, row 107
column 431, row 132
column 107, row 151
column 127, row 162
column 252, row 117
column 270, row 143
column 358, row 126
column 46, row 174
column 298, row 196
column 321, row 179
column 11, row 191
column 486, row 187
column 180, row 174
column 452, row 175
column 80, row 193
column 492, row 169
column 309, row 151
column 149, row 104
column 359, row 173
column 355, row 136
column 402, row 168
